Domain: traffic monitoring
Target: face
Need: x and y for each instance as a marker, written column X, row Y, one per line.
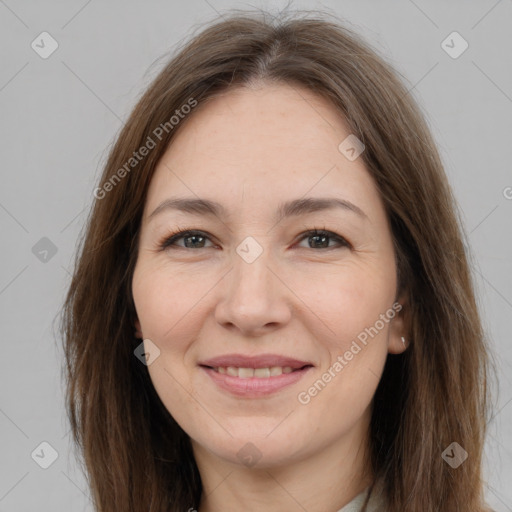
column 315, row 313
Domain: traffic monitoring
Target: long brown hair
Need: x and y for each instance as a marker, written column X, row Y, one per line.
column 137, row 458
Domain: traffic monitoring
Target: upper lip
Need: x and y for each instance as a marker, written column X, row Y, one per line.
column 259, row 361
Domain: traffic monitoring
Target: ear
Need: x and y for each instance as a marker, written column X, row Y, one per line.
column 138, row 330
column 399, row 327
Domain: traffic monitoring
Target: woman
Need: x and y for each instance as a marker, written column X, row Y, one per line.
column 272, row 307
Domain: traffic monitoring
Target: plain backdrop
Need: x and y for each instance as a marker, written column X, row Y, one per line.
column 61, row 113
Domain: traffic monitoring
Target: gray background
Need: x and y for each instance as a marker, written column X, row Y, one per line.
column 59, row 116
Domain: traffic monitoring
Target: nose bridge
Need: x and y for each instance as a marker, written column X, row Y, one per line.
column 251, row 281
column 251, row 269
column 254, row 297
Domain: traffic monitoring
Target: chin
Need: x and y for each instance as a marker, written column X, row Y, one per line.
column 261, row 451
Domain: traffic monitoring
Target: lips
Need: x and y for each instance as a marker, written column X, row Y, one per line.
column 256, row 376
column 260, row 361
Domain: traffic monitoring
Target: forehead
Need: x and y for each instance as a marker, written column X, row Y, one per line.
column 252, row 147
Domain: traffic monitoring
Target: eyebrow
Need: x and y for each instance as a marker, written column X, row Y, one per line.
column 295, row 207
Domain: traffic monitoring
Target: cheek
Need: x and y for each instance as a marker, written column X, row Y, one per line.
column 347, row 300
column 165, row 302
column 165, row 309
column 355, row 312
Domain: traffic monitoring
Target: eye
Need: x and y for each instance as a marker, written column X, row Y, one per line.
column 321, row 239
column 193, row 239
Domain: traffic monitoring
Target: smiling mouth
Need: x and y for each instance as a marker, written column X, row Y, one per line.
column 261, row 373
column 252, row 383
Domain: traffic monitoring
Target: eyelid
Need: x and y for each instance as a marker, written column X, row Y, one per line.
column 168, row 241
column 341, row 240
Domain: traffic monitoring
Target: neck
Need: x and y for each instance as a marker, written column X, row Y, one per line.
column 328, row 480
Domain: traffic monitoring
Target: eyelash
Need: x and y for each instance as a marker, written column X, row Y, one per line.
column 168, row 241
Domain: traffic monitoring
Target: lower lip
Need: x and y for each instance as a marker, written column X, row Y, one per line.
column 254, row 387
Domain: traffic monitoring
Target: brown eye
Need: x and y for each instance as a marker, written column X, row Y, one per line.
column 321, row 239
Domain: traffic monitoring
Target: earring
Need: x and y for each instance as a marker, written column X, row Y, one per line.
column 403, row 340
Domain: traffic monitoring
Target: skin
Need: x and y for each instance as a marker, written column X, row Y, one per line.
column 250, row 149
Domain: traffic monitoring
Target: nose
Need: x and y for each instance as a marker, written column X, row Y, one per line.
column 254, row 300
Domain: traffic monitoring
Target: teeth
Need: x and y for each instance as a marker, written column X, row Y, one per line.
column 275, row 370
column 246, row 373
column 230, row 370
column 262, row 372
